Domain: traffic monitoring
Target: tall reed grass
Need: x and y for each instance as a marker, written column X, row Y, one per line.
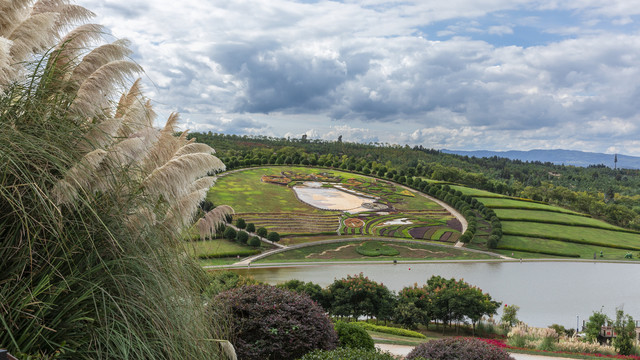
column 92, row 201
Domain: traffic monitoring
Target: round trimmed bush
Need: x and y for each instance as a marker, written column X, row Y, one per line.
column 241, row 224
column 273, row 237
column 348, row 354
column 254, row 241
column 242, row 237
column 458, row 348
column 251, row 227
column 353, row 336
column 274, row 323
column 262, row 232
column 229, row 233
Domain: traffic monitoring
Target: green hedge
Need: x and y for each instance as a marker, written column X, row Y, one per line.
column 241, row 253
column 391, row 330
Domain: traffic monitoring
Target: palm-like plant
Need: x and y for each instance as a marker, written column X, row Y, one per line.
column 92, row 200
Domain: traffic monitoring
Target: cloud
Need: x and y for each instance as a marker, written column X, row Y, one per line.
column 514, row 73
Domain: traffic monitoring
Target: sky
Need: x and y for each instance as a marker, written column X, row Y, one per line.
column 455, row 74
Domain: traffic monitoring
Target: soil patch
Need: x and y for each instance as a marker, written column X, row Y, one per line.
column 454, row 224
column 418, row 233
column 353, row 223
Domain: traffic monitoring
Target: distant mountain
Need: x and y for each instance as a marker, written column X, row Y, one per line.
column 566, row 157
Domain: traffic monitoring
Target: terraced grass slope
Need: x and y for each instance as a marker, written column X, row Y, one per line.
column 264, row 197
column 533, row 229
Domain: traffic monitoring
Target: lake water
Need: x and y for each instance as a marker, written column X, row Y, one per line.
column 546, row 292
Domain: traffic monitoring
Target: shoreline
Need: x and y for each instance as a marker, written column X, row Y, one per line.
column 403, row 262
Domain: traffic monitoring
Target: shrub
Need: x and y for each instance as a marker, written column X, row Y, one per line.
column 262, row 232
column 458, row 348
column 251, row 227
column 348, row 354
column 241, row 224
column 229, row 233
column 273, row 236
column 391, row 330
column 274, row 323
column 351, row 335
column 242, row 237
column 254, row 241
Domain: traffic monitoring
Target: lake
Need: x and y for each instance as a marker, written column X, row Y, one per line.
column 546, row 292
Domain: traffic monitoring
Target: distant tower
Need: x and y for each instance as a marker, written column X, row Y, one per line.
column 615, row 162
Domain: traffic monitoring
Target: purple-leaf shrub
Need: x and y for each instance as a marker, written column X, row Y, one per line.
column 275, row 323
column 458, row 348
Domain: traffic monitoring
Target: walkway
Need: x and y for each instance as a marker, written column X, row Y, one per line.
column 404, row 350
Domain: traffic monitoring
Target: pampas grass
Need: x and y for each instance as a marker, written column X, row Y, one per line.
column 93, row 200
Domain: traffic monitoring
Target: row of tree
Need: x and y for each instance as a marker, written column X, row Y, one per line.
column 446, row 301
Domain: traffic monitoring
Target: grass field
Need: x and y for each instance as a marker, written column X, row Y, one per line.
column 347, row 251
column 476, row 192
column 589, row 236
column 552, row 217
column 499, row 203
column 216, row 246
column 535, row 245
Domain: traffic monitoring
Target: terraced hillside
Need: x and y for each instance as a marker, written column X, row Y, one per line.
column 265, row 197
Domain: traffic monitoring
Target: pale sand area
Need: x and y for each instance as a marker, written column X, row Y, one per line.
column 331, row 199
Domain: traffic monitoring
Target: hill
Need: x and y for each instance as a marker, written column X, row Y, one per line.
column 557, row 156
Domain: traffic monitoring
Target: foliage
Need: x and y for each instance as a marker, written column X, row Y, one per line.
column 262, row 232
column 594, row 325
column 254, row 241
column 273, row 236
column 351, row 335
column 242, row 237
column 391, row 330
column 510, row 315
column 93, row 200
column 348, row 354
column 453, row 300
column 274, row 323
column 458, row 348
column 414, row 306
column 356, row 296
column 314, row 291
column 241, row 223
column 230, row 233
column 251, row 227
column 625, row 330
column 223, row 280
column 524, row 336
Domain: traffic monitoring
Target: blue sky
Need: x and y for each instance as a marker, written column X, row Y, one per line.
column 458, row 74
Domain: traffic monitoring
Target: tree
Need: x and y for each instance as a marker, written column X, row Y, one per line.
column 356, row 296
column 262, row 232
column 242, row 237
column 625, row 330
column 229, row 233
column 314, row 291
column 510, row 315
column 414, row 306
column 254, row 241
column 273, row 236
column 240, row 223
column 251, row 227
column 593, row 327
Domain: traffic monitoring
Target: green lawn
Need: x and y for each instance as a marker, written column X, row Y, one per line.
column 533, row 245
column 476, row 192
column 586, row 235
column 345, row 251
column 216, row 246
column 551, row 217
column 497, row 203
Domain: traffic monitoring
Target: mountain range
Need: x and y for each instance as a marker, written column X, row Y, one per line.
column 558, row 156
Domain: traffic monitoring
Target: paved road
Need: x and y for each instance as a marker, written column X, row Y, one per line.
column 404, row 350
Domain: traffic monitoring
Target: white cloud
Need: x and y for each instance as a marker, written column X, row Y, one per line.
column 368, row 68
